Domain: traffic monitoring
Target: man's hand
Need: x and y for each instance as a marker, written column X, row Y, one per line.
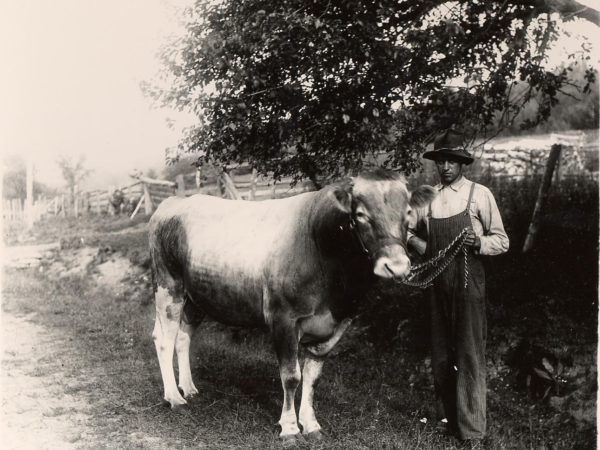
column 472, row 240
column 417, row 244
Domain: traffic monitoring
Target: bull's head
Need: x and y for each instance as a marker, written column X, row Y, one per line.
column 380, row 210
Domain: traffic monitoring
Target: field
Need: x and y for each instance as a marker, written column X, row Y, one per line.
column 79, row 368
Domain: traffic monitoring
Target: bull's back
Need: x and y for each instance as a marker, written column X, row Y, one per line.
column 223, row 251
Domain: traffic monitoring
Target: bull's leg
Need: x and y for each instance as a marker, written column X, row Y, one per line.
column 313, row 365
column 310, row 375
column 189, row 322
column 182, row 347
column 166, row 326
column 285, row 338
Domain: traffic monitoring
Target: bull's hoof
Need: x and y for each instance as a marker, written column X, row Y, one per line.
column 314, row 436
column 180, row 409
column 190, row 396
column 289, row 440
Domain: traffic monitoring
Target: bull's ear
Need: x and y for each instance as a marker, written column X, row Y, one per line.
column 341, row 195
column 422, row 196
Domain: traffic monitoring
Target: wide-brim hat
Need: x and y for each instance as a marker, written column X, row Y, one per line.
column 450, row 144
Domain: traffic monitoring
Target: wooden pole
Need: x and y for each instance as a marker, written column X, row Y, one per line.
column 198, row 177
column 29, row 203
column 253, row 178
column 230, row 187
column 148, row 207
column 137, row 208
column 542, row 197
column 180, row 186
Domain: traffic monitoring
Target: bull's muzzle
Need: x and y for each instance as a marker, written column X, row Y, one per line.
column 392, row 262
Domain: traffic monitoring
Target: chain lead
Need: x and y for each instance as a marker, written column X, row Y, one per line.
column 433, row 262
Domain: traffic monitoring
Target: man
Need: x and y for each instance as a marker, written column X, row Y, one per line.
column 457, row 299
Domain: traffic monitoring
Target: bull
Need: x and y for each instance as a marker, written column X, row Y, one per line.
column 297, row 266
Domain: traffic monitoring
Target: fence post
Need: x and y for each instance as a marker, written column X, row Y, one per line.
column 109, row 208
column 198, row 177
column 230, row 186
column 253, row 178
column 29, row 201
column 542, row 197
column 180, row 191
column 62, row 205
column 148, row 207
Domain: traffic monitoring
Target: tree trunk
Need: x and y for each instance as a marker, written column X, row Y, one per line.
column 542, row 197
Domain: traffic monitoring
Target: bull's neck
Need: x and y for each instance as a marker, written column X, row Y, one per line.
column 334, row 236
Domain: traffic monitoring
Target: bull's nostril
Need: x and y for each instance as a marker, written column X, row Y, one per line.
column 390, row 271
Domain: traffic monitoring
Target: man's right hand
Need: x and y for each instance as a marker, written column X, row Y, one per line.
column 417, row 244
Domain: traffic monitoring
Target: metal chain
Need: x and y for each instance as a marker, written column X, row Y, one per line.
column 458, row 243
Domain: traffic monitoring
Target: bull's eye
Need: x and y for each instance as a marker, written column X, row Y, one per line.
column 362, row 217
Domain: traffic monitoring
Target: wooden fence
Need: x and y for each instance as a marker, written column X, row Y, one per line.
column 14, row 211
column 239, row 182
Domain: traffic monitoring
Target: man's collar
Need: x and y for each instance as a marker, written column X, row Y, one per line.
column 455, row 186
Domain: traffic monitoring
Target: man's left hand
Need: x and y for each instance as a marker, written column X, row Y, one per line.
column 472, row 240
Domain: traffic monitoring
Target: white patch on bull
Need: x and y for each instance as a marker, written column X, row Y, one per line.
column 310, row 374
column 288, row 420
column 182, row 347
column 239, row 243
column 166, row 327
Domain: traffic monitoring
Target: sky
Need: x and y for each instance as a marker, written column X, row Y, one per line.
column 69, row 84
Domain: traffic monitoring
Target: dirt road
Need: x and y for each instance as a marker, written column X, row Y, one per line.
column 37, row 410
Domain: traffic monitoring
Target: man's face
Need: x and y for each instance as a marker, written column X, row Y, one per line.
column 449, row 170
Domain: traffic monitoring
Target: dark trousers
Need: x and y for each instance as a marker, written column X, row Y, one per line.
column 458, row 325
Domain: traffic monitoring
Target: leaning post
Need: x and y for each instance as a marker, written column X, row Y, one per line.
column 542, row 197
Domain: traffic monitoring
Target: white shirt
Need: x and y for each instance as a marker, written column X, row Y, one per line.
column 484, row 213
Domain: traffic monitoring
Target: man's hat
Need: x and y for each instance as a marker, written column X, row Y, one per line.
column 449, row 144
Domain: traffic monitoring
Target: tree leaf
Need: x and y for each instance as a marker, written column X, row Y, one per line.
column 542, row 374
column 547, row 365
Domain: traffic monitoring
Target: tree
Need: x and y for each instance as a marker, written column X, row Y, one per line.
column 73, row 173
column 311, row 88
column 572, row 111
column 14, row 180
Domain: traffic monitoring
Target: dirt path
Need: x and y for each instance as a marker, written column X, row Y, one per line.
column 37, row 410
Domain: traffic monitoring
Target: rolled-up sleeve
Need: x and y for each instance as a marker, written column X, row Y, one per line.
column 494, row 240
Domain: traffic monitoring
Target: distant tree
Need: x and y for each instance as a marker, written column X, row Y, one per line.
column 307, row 88
column 151, row 173
column 14, row 180
column 73, row 172
column 573, row 111
column 183, row 165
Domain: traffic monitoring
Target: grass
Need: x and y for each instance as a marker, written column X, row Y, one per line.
column 366, row 399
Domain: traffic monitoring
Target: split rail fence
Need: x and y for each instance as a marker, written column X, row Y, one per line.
column 145, row 194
